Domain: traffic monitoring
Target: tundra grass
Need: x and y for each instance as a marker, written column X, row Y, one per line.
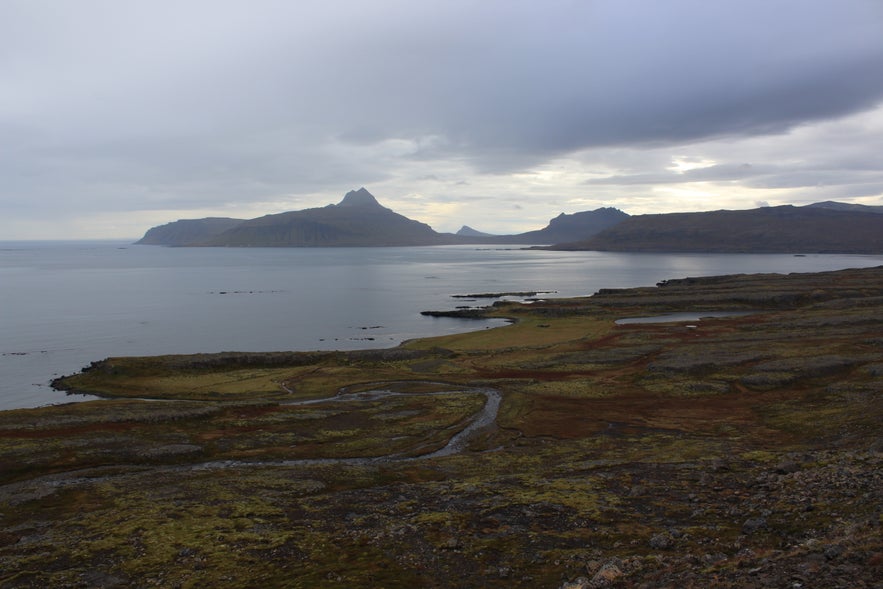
column 645, row 446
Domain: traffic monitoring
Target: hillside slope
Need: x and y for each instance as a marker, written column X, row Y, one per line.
column 188, row 231
column 566, row 228
column 357, row 220
column 784, row 229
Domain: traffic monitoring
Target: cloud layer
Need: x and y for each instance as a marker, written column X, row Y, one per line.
column 500, row 114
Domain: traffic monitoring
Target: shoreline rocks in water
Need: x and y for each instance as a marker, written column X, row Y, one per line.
column 499, row 295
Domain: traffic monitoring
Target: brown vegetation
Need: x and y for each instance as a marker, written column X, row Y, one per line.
column 729, row 452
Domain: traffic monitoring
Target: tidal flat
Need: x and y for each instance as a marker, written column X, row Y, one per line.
column 738, row 451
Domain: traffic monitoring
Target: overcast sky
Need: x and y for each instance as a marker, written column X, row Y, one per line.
column 118, row 115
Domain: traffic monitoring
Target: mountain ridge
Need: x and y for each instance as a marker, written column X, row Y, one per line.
column 781, row 229
column 359, row 220
column 572, row 227
column 356, row 221
column 186, row 231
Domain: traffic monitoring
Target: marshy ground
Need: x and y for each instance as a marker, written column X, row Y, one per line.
column 741, row 451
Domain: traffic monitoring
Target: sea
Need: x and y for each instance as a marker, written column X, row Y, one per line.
column 66, row 304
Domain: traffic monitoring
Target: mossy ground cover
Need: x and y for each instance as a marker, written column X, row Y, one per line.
column 717, row 453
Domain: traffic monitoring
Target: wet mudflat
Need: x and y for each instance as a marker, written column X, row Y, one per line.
column 738, row 451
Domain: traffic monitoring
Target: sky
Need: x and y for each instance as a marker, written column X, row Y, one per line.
column 118, row 115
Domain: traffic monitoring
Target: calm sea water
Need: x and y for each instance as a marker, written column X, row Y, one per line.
column 65, row 304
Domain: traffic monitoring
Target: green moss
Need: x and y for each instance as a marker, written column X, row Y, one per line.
column 760, row 456
column 606, row 437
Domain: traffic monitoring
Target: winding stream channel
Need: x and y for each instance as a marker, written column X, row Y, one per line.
column 40, row 486
column 486, row 416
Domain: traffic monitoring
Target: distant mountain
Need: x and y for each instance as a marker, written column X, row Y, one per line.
column 358, row 220
column 567, row 228
column 467, row 231
column 844, row 206
column 562, row 229
column 783, row 229
column 188, row 231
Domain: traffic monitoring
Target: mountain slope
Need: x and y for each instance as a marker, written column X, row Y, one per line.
column 784, row 229
column 843, row 206
column 358, row 220
column 467, row 231
column 567, row 228
column 188, row 231
column 562, row 229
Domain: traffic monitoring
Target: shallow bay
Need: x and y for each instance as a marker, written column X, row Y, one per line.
column 65, row 304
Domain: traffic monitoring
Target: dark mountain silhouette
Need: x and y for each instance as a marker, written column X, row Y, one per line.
column 357, row 220
column 783, row 229
column 563, row 228
column 467, row 231
column 844, row 206
column 188, row 231
column 567, row 228
column 360, row 198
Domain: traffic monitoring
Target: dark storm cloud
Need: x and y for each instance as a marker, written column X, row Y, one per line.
column 141, row 105
column 577, row 75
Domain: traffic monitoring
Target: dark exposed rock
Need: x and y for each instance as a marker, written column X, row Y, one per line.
column 608, row 574
column 754, row 525
column 662, row 541
column 458, row 313
column 833, row 551
column 787, row 467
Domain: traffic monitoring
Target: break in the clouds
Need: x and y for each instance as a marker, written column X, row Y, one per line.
column 115, row 116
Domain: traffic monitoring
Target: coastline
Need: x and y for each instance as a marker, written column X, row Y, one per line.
column 655, row 454
column 149, row 301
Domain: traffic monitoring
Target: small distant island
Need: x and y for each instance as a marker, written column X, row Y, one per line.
column 359, row 220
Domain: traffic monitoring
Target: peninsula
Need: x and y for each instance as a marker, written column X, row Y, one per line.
column 564, row 450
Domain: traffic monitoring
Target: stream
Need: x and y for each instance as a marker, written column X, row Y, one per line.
column 16, row 492
column 486, row 416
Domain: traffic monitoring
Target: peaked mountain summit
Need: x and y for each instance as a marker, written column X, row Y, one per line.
column 467, row 231
column 360, row 198
column 359, row 220
column 356, row 221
